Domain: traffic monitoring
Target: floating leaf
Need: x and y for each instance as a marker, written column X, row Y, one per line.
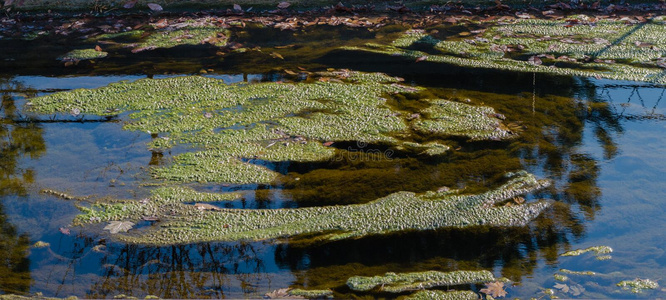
column 562, row 287
column 283, row 5
column 154, row 7
column 119, row 226
column 534, row 60
column 130, row 4
column 576, row 290
column 494, row 289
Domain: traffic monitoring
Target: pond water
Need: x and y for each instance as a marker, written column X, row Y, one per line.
column 601, row 142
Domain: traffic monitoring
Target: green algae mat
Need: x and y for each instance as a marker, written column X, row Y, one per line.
column 574, row 46
column 226, row 128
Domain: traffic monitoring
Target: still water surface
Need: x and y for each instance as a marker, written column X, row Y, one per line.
column 600, row 141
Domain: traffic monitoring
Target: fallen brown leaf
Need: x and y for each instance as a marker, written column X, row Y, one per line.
column 494, row 289
column 534, row 60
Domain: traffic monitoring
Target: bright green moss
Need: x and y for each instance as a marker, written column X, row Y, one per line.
column 83, row 54
column 638, row 285
column 608, row 49
column 445, row 295
column 397, row 283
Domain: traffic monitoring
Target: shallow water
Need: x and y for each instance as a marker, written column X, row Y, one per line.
column 600, row 142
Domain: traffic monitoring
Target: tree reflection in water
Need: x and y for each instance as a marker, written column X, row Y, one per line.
column 17, row 141
column 197, row 270
column 551, row 130
column 551, row 120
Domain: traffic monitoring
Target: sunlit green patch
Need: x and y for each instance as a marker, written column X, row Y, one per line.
column 638, row 285
column 574, row 46
column 274, row 122
column 169, row 37
column 162, row 201
column 445, row 295
column 458, row 119
column 186, row 36
column 182, row 223
column 397, row 283
column 235, row 129
column 83, row 54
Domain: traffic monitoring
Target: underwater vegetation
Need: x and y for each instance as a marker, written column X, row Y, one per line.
column 597, row 250
column 576, row 46
column 397, row 283
column 183, row 223
column 83, row 54
column 275, row 122
column 229, row 125
column 638, row 285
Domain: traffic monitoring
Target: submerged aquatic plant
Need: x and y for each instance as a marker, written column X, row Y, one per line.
column 184, row 223
column 311, row 294
column 397, row 283
column 607, row 49
column 233, row 124
column 597, row 250
column 638, row 285
column 444, row 295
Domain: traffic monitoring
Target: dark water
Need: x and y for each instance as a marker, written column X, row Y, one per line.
column 600, row 141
